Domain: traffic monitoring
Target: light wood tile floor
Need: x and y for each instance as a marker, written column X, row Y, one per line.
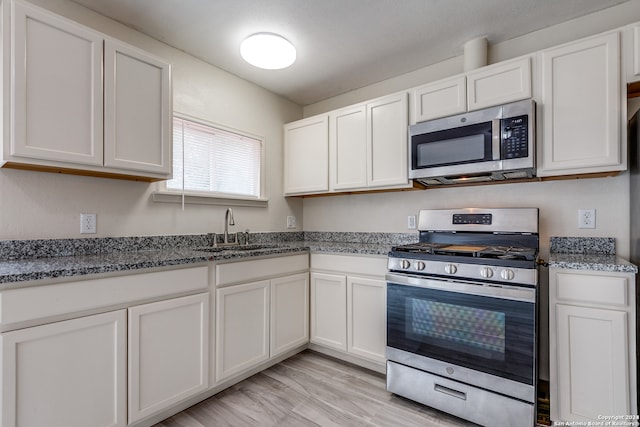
column 310, row 389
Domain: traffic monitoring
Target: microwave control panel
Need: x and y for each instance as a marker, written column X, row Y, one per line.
column 514, row 133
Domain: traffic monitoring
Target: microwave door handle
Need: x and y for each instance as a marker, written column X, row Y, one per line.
column 495, row 138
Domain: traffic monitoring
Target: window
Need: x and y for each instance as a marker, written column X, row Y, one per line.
column 213, row 161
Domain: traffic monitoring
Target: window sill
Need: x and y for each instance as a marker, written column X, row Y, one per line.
column 203, row 199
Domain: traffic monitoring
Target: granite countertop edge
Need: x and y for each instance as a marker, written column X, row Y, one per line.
column 587, row 253
column 591, row 262
column 24, row 272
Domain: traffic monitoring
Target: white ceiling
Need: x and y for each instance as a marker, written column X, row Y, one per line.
column 342, row 44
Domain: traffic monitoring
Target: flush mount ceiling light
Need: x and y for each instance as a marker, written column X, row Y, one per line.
column 268, row 51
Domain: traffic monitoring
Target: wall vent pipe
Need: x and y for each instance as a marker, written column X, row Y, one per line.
column 475, row 53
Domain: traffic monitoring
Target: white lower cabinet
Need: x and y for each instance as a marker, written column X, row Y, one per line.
column 168, row 353
column 366, row 317
column 592, row 345
column 592, row 369
column 62, row 366
column 348, row 305
column 289, row 313
column 262, row 311
column 66, row 374
column 242, row 322
column 329, row 310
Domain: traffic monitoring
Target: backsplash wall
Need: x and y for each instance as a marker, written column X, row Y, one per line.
column 558, row 202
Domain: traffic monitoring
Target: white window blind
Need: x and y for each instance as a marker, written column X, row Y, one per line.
column 207, row 159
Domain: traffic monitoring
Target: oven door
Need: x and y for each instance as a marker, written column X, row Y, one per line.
column 486, row 328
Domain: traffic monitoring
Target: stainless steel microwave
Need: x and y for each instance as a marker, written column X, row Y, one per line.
column 495, row 143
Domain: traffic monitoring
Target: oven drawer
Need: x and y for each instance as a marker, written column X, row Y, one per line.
column 471, row 403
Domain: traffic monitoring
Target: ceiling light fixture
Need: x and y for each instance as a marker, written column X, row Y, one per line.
column 267, row 50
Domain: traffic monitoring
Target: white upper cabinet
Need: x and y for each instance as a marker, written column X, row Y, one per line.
column 356, row 148
column 55, row 70
column 631, row 52
column 636, row 51
column 582, row 108
column 439, row 99
column 387, row 142
column 500, row 83
column 137, row 110
column 60, row 115
column 348, row 147
column 488, row 86
column 368, row 145
column 306, row 156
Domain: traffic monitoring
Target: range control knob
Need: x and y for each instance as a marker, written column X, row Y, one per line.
column 419, row 266
column 507, row 274
column 486, row 272
column 404, row 264
column 450, row 269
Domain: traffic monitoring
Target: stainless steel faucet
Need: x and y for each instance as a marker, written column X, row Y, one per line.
column 228, row 220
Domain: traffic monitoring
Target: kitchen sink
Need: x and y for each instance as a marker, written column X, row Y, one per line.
column 249, row 247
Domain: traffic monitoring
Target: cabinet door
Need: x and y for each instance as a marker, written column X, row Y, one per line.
column 367, row 317
column 329, row 310
column 56, row 99
column 66, row 374
column 499, row 84
column 387, row 141
column 439, row 99
column 137, row 110
column 592, row 363
column 348, row 148
column 242, row 328
column 581, row 96
column 289, row 313
column 636, row 52
column 306, row 156
column 168, row 353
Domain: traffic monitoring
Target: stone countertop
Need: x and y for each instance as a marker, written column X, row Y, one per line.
column 15, row 273
column 591, row 262
column 587, row 253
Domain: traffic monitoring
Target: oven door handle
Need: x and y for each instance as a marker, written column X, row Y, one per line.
column 515, row 293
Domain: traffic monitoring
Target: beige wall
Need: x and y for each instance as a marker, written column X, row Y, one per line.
column 43, row 205
column 558, row 201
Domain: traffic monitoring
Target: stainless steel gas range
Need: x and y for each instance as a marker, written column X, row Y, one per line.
column 462, row 316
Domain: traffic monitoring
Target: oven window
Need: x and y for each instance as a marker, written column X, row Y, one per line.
column 492, row 335
column 459, row 328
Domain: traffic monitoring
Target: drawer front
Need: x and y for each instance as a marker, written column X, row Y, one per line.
column 259, row 269
column 350, row 264
column 28, row 306
column 593, row 289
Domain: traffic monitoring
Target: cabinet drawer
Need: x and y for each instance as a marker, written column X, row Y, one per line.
column 594, row 289
column 27, row 306
column 363, row 265
column 259, row 269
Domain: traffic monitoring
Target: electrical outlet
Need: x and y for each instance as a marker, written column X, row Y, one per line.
column 586, row 218
column 88, row 224
column 291, row 221
column 411, row 222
